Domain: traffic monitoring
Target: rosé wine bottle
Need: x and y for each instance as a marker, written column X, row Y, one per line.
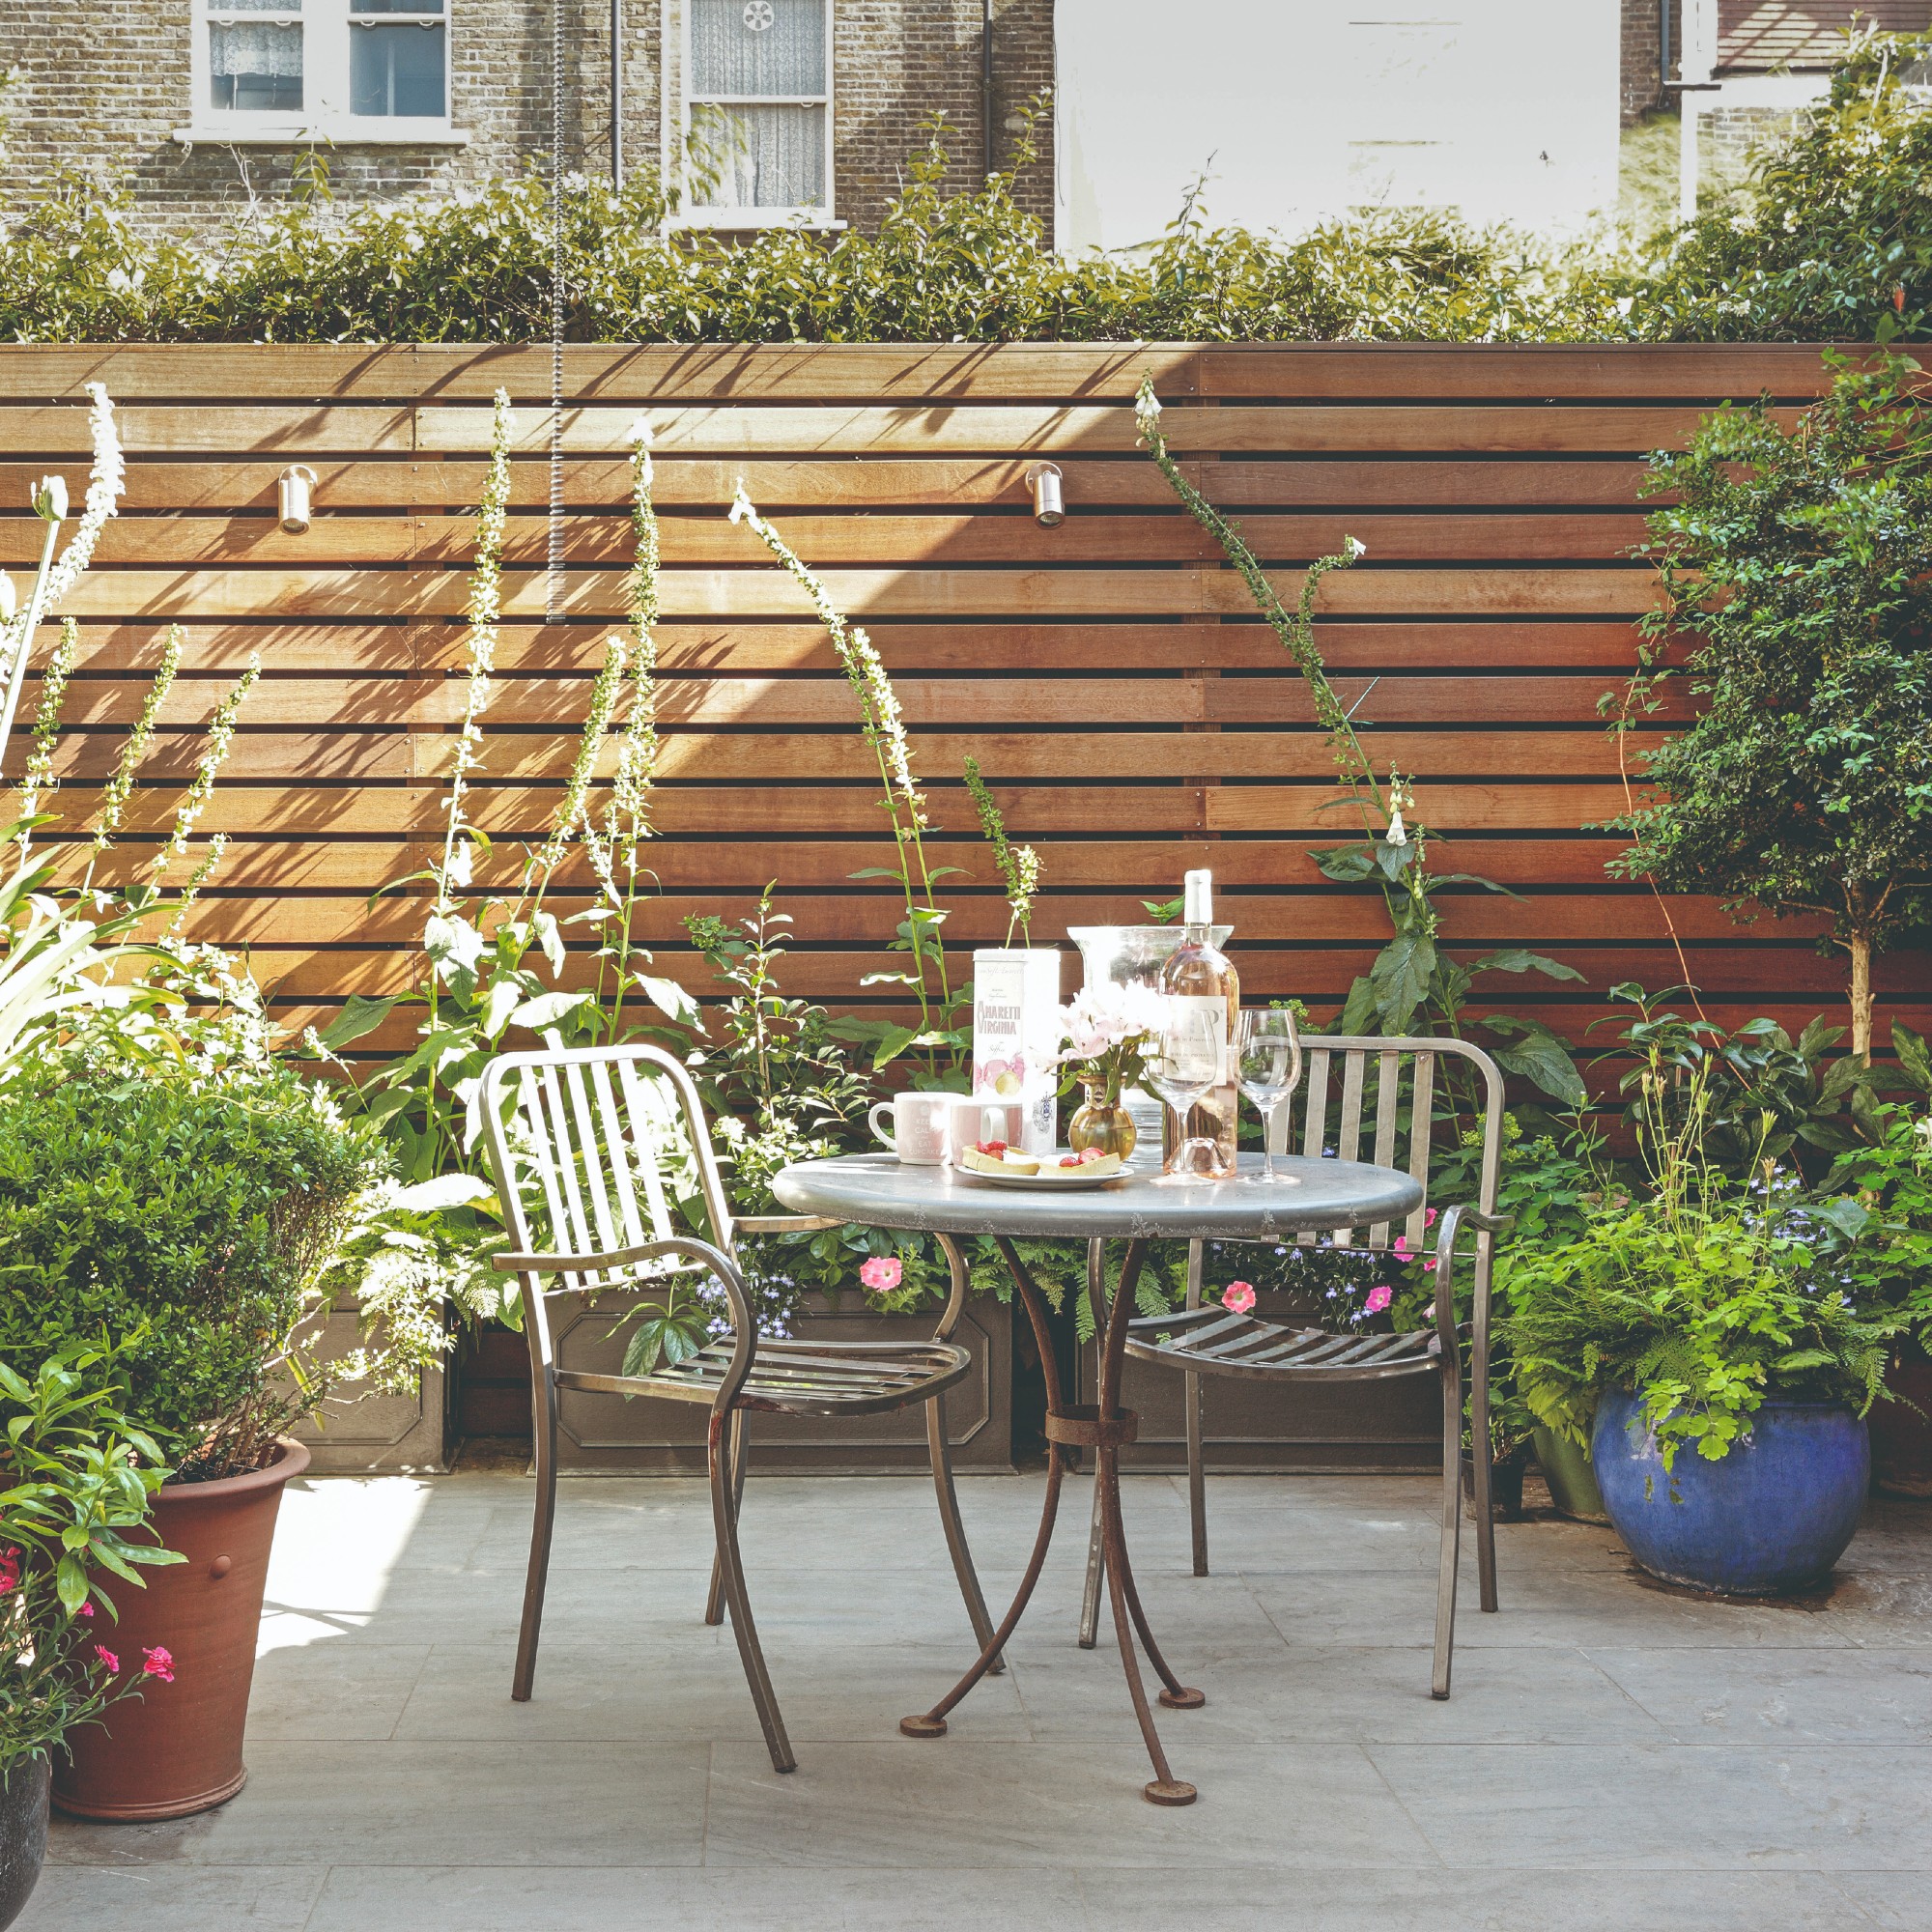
column 1200, row 973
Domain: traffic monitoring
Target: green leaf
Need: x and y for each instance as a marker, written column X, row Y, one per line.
column 893, row 1042
column 1401, row 977
column 1358, row 1010
column 1846, row 1214
column 361, row 1014
column 1915, row 1060
column 669, row 997
column 1539, row 1056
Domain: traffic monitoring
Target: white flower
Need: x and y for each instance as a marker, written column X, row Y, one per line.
column 9, row 598
column 1923, row 1130
column 741, row 506
column 1398, row 831
column 51, row 498
column 1357, row 548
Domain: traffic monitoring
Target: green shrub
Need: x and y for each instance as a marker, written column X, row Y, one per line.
column 186, row 1225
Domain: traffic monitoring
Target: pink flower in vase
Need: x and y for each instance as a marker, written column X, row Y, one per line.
column 158, row 1663
column 881, row 1274
column 1237, row 1297
column 107, row 1657
column 1379, row 1297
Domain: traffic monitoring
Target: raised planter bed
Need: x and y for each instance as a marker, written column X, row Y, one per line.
column 379, row 1435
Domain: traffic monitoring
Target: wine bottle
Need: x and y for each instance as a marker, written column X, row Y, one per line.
column 1198, row 971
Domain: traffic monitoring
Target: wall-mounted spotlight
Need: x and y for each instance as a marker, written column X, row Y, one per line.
column 1048, row 506
column 292, row 490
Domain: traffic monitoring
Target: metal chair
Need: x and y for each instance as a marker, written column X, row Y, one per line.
column 601, row 1135
column 1214, row 1341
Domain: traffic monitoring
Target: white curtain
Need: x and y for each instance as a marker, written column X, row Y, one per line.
column 254, row 50
column 761, row 157
column 771, row 48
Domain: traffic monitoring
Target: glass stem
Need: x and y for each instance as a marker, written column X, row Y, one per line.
column 1268, row 1140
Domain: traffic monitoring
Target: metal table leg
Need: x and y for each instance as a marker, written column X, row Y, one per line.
column 1103, row 1428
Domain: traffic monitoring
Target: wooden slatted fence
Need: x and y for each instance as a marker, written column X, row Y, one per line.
column 1133, row 716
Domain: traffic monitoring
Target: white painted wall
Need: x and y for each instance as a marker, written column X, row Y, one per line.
column 1505, row 109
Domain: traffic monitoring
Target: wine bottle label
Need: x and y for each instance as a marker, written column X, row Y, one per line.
column 1215, row 1006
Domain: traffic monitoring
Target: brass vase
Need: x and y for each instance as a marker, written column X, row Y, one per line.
column 1102, row 1122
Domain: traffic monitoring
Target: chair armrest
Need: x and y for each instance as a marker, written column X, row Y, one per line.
column 782, row 1224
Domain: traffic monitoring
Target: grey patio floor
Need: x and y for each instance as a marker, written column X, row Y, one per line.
column 1614, row 1754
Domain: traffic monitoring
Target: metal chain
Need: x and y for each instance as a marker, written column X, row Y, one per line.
column 553, row 575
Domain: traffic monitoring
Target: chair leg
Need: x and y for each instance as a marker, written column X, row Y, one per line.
column 724, row 1523
column 1194, row 1407
column 1097, row 1569
column 940, row 1451
column 1480, row 1448
column 714, row 1601
column 1195, row 1398
column 1452, row 1523
column 543, row 1517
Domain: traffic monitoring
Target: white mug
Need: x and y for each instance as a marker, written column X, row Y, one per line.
column 978, row 1117
column 917, row 1129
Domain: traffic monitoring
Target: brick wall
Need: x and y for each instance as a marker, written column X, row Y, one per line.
column 1642, row 72
column 103, row 83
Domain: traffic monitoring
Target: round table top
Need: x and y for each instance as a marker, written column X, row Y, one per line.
column 879, row 1191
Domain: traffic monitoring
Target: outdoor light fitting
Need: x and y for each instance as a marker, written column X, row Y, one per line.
column 291, row 490
column 1048, row 507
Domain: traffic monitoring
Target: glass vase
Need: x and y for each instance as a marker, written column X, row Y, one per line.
column 1102, row 1120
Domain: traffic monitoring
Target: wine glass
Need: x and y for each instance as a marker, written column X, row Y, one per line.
column 1268, row 1046
column 1183, row 1064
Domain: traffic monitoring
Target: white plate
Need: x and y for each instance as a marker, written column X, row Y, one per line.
column 1048, row 1177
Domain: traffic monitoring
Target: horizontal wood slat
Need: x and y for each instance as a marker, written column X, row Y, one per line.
column 1133, row 715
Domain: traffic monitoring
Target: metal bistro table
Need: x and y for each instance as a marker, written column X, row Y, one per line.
column 879, row 1191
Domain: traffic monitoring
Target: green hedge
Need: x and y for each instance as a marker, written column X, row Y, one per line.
column 1831, row 238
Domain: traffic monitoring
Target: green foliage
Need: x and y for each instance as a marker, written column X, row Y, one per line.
column 186, row 1223
column 1705, row 1308
column 75, row 1480
column 1874, row 1218
column 1797, row 567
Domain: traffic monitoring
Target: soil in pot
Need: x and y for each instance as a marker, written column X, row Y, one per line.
column 23, row 1835
column 177, row 1749
column 1768, row 1520
column 1573, row 1481
column 1901, row 1425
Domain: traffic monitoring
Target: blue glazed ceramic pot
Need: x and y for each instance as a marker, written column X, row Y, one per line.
column 1769, row 1518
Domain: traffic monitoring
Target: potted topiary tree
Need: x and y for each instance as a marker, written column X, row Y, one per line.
column 188, row 1217
column 77, row 1480
column 1796, row 568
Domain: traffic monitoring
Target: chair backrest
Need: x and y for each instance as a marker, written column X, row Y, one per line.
column 603, row 1140
column 1394, row 1113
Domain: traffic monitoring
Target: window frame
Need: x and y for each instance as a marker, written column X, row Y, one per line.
column 327, row 27
column 806, row 215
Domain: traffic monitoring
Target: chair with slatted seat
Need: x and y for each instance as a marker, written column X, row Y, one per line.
column 1214, row 1341
column 585, row 1146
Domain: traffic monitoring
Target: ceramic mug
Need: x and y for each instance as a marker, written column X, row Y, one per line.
column 978, row 1117
column 913, row 1126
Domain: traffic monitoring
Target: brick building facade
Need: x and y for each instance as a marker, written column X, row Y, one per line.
column 126, row 89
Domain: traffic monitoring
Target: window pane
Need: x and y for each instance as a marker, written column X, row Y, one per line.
column 757, row 47
column 256, row 7
column 396, row 71
column 395, row 5
column 760, row 157
column 255, row 70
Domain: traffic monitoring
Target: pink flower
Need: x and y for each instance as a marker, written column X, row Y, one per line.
column 1429, row 1218
column 107, row 1657
column 85, row 1610
column 881, row 1273
column 157, row 1663
column 1401, row 1252
column 1379, row 1297
column 1428, row 1267
column 9, row 1571
column 1237, row 1297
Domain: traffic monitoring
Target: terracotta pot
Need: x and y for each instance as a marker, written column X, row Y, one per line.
column 23, row 1835
column 177, row 1749
column 1901, row 1435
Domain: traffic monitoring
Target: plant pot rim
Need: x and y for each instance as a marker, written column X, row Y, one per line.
column 1843, row 1405
column 291, row 1460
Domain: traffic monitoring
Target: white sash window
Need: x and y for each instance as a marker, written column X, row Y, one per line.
column 306, row 70
column 757, row 110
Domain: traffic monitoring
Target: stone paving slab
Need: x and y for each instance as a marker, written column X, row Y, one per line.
column 1615, row 1753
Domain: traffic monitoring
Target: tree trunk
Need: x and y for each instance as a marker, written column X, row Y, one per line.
column 1861, row 947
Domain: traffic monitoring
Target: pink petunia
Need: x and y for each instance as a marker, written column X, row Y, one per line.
column 107, row 1657
column 1379, row 1297
column 1401, row 1252
column 9, row 1571
column 1428, row 1267
column 1429, row 1218
column 1237, row 1297
column 157, row 1663
column 881, row 1274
